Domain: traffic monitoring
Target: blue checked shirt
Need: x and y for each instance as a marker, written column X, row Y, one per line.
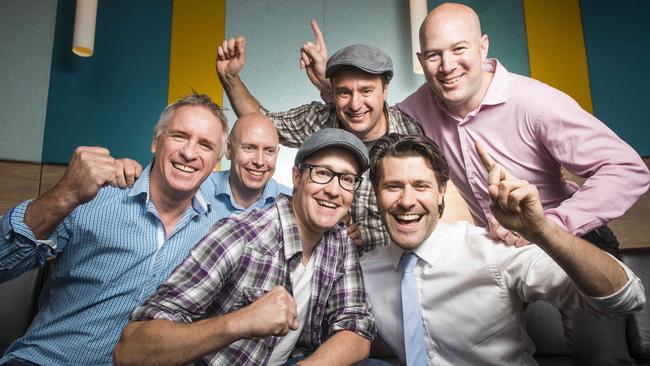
column 245, row 256
column 225, row 202
column 111, row 255
column 295, row 125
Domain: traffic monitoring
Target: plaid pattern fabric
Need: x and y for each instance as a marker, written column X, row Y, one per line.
column 295, row 125
column 245, row 256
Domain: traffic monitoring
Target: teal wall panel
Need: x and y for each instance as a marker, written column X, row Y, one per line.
column 503, row 21
column 114, row 98
column 617, row 40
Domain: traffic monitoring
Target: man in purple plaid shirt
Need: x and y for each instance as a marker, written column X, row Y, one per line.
column 271, row 283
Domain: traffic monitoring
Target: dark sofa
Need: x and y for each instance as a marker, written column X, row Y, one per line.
column 19, row 300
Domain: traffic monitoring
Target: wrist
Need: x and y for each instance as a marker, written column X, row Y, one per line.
column 544, row 232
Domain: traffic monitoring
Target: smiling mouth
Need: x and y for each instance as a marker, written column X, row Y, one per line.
column 407, row 219
column 184, row 168
column 255, row 173
column 451, row 82
column 357, row 115
column 326, row 204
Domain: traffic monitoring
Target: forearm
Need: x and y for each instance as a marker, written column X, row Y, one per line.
column 46, row 212
column 240, row 98
column 594, row 272
column 164, row 342
column 344, row 348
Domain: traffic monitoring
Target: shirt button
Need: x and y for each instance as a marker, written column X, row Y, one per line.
column 431, row 355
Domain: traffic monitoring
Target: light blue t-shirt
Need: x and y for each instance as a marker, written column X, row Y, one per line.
column 111, row 255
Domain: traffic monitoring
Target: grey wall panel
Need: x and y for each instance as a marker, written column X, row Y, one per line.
column 26, row 38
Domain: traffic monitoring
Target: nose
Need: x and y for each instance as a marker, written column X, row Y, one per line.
column 333, row 187
column 188, row 151
column 447, row 63
column 407, row 198
column 355, row 102
column 258, row 158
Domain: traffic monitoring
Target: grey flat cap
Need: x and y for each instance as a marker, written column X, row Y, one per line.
column 334, row 137
column 366, row 58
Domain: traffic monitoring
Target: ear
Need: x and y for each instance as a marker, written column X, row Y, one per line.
column 385, row 91
column 442, row 189
column 485, row 45
column 154, row 145
column 228, row 150
column 295, row 174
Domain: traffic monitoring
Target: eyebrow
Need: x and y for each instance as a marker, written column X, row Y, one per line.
column 439, row 49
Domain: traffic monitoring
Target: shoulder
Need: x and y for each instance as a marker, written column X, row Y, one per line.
column 533, row 93
column 274, row 189
column 402, row 122
column 260, row 226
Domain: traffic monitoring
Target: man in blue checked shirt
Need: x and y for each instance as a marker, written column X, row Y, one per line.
column 115, row 246
column 268, row 284
column 253, row 146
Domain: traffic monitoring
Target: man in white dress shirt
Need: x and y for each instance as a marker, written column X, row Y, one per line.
column 470, row 288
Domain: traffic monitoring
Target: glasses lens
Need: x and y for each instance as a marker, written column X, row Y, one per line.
column 348, row 181
column 321, row 175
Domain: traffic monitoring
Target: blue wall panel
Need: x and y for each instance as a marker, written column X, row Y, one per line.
column 617, row 39
column 114, row 98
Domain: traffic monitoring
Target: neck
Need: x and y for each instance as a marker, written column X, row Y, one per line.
column 308, row 238
column 242, row 195
column 170, row 209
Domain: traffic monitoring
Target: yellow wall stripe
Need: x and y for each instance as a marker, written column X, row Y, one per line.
column 556, row 47
column 198, row 28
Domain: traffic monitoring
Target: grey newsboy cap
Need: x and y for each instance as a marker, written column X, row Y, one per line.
column 334, row 137
column 366, row 58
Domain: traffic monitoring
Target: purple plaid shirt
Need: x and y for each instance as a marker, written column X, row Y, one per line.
column 245, row 256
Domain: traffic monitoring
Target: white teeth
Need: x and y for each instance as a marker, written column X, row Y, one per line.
column 184, row 168
column 451, row 81
column 357, row 115
column 326, row 204
column 407, row 217
column 255, row 173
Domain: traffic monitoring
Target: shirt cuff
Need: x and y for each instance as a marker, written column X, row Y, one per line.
column 556, row 219
column 629, row 298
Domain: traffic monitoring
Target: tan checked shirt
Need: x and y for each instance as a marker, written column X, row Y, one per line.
column 295, row 125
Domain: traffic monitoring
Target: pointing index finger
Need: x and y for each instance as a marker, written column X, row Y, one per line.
column 487, row 160
column 320, row 40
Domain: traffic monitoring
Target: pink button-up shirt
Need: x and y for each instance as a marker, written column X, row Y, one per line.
column 532, row 130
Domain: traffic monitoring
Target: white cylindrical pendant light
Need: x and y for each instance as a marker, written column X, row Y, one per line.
column 84, row 28
column 418, row 10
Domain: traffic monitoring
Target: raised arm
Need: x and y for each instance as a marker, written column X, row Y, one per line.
column 516, row 205
column 313, row 59
column 231, row 58
column 164, row 342
column 25, row 228
column 90, row 169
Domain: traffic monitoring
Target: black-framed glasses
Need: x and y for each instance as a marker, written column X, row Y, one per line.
column 323, row 175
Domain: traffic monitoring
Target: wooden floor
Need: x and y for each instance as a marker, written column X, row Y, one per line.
column 22, row 181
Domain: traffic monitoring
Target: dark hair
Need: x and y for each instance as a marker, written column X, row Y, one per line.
column 194, row 99
column 399, row 146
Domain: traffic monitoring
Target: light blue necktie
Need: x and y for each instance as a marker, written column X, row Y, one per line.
column 412, row 314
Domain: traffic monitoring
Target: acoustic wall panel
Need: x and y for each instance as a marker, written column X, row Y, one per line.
column 114, row 98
